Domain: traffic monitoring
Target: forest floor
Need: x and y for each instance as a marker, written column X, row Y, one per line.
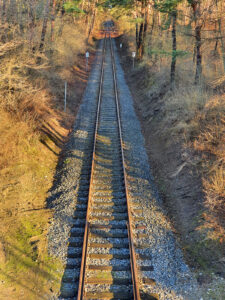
column 178, row 172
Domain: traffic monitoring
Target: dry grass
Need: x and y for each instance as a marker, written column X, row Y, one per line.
column 211, row 143
column 196, row 115
column 33, row 129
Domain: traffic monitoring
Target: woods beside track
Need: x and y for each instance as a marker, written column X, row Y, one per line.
column 178, row 86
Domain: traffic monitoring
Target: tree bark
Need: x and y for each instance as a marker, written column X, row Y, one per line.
column 44, row 26
column 136, row 25
column 92, row 20
column 12, row 16
column 62, row 12
column 174, row 49
column 53, row 20
column 140, row 40
column 198, row 42
column 31, row 22
column 142, row 28
column 219, row 21
column 151, row 32
column 147, row 8
column 3, row 11
column 198, row 73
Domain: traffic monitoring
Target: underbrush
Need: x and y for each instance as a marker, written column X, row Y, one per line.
column 211, row 144
column 193, row 116
column 33, row 130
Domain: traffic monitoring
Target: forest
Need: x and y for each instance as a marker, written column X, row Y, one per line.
column 178, row 86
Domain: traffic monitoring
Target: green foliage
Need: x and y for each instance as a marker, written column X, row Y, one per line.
column 124, row 3
column 72, row 8
column 166, row 23
column 137, row 20
column 167, row 6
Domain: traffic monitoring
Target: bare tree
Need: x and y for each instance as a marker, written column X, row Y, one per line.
column 44, row 26
column 53, row 12
column 3, row 14
column 220, row 13
column 93, row 16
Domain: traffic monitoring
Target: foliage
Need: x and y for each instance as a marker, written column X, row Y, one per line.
column 72, row 8
column 167, row 6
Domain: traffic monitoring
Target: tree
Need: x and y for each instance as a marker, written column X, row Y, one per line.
column 198, row 23
column 170, row 7
column 93, row 16
column 219, row 15
column 44, row 26
column 142, row 18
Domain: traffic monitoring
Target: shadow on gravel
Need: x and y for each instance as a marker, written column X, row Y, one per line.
column 70, row 278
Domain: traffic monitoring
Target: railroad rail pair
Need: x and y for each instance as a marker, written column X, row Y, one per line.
column 133, row 265
column 102, row 262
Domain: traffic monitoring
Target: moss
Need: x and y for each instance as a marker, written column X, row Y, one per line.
column 28, row 263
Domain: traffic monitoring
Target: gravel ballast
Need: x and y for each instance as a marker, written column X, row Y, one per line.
column 172, row 277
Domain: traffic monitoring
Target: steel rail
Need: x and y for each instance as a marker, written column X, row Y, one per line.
column 134, row 269
column 134, row 272
column 86, row 231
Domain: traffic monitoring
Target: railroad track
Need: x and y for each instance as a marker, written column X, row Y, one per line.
column 102, row 231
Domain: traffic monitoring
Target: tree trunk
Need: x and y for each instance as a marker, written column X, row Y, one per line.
column 31, row 22
column 151, row 33
column 53, row 20
column 12, row 16
column 219, row 20
column 145, row 27
column 3, row 11
column 136, row 37
column 198, row 41
column 92, row 20
column 174, row 49
column 198, row 73
column 44, row 26
column 140, row 40
column 140, row 45
column 62, row 12
column 136, row 25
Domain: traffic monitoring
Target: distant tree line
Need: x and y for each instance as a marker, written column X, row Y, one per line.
column 32, row 17
column 24, row 17
column 198, row 16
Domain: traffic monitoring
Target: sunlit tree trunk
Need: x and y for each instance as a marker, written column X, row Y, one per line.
column 198, row 40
